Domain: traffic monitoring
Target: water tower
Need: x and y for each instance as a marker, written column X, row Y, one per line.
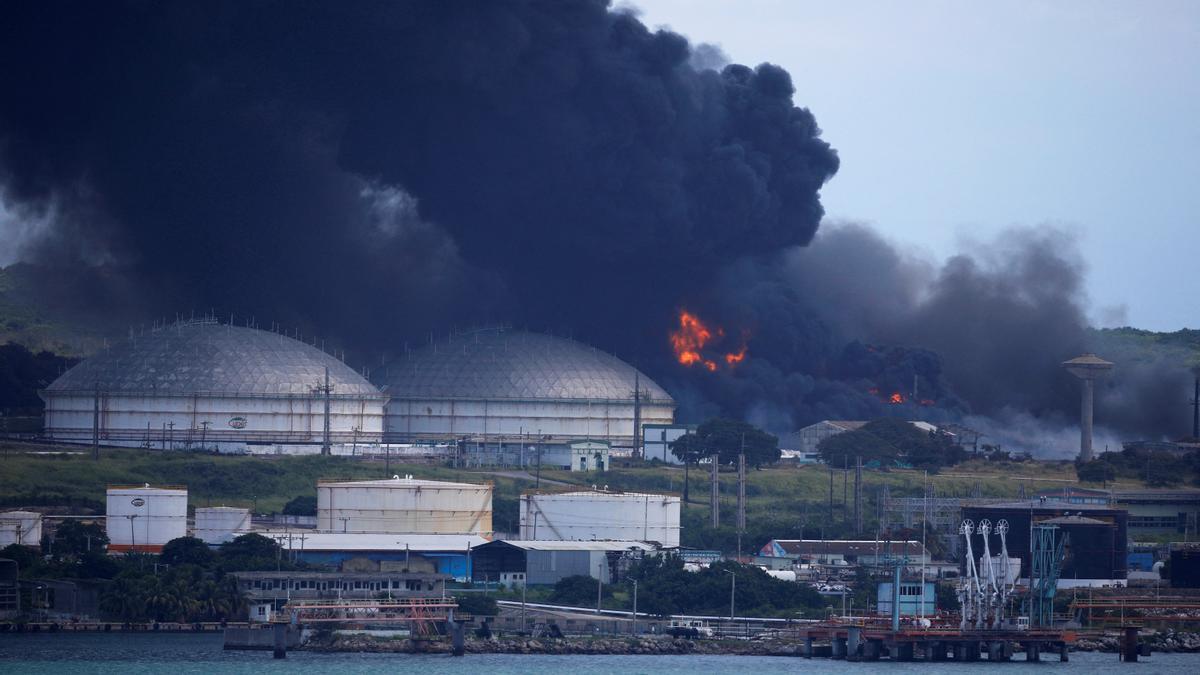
column 1088, row 368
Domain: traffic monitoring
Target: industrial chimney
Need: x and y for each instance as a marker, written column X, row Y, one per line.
column 1087, row 368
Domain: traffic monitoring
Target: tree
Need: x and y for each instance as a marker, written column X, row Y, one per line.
column 889, row 440
column 304, row 505
column 250, row 552
column 1096, row 471
column 479, row 605
column 187, row 551
column 74, row 538
column 726, row 439
column 578, row 589
column 25, row 556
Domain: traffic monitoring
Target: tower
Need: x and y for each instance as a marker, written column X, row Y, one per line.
column 1088, row 368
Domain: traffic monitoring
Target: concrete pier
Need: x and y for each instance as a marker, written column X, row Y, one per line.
column 280, row 636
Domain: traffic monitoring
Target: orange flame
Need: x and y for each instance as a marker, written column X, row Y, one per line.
column 689, row 341
column 896, row 398
column 737, row 357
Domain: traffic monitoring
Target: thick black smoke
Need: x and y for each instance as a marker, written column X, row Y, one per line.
column 378, row 170
column 984, row 334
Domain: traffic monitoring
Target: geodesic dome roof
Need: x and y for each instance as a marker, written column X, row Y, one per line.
column 207, row 357
column 497, row 363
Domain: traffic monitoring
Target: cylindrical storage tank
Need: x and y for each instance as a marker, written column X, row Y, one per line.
column 143, row 518
column 219, row 524
column 404, row 506
column 594, row 516
column 23, row 528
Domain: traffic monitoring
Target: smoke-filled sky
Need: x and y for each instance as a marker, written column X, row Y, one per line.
column 380, row 172
column 964, row 118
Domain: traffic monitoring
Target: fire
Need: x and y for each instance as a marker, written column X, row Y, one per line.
column 734, row 358
column 896, row 398
column 689, row 341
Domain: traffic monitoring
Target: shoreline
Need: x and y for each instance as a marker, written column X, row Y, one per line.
column 1161, row 642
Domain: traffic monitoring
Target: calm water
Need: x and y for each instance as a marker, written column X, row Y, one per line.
column 178, row 654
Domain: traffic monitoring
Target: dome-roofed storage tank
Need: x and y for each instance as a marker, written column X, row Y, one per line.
column 596, row 515
column 404, row 506
column 144, row 518
column 220, row 524
column 494, row 383
column 206, row 384
column 23, row 528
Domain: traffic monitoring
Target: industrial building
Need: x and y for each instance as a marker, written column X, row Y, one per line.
column 203, row 384
column 23, row 528
column 833, row 552
column 220, row 524
column 657, row 440
column 141, row 518
column 601, row 515
column 518, row 562
column 1096, row 550
column 404, row 506
column 498, row 387
column 267, row 592
column 449, row 554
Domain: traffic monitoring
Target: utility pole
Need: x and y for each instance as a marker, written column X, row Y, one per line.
column 1196, row 405
column 326, row 447
column 831, row 494
column 96, row 423
column 537, row 483
column 741, row 498
column 635, row 606
column 713, row 503
column 599, row 585
column 845, row 480
column 637, row 415
column 858, row 495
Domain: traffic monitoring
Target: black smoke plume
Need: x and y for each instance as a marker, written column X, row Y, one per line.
column 379, row 171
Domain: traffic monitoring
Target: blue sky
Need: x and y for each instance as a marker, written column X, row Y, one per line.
column 955, row 120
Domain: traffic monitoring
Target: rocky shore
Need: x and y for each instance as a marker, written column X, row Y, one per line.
column 521, row 645
column 1163, row 641
column 1160, row 642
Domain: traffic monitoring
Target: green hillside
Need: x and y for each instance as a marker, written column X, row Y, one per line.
column 784, row 502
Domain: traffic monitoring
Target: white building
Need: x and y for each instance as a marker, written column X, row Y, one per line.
column 505, row 387
column 657, row 439
column 142, row 518
column 23, row 528
column 579, row 456
column 597, row 515
column 201, row 384
column 405, row 506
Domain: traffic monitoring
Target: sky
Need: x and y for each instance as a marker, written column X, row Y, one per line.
column 955, row 120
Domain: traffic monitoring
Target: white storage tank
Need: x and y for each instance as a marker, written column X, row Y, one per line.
column 143, row 518
column 596, row 515
column 220, row 524
column 20, row 527
column 404, row 506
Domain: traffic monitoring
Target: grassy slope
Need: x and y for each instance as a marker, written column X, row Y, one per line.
column 211, row 480
column 779, row 498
